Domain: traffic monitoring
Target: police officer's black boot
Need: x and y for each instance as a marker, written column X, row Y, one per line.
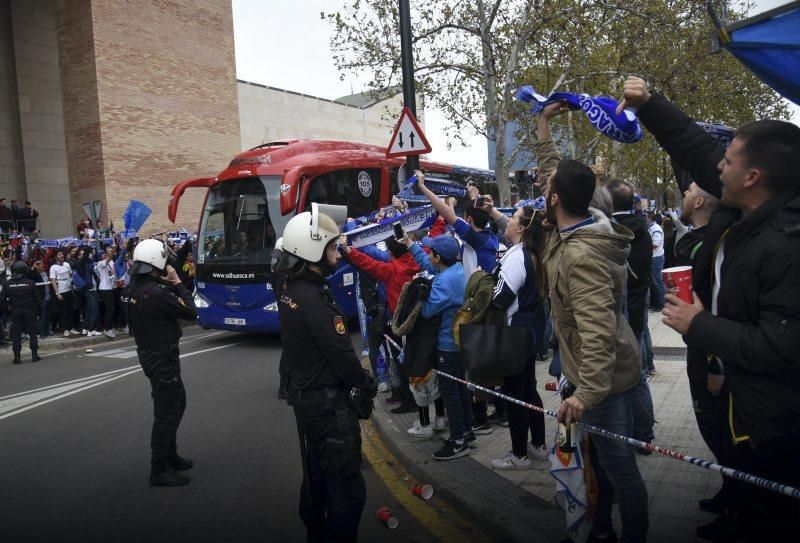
column 17, row 359
column 35, row 356
column 162, row 476
column 179, row 463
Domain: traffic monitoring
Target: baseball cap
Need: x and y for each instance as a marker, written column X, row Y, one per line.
column 445, row 246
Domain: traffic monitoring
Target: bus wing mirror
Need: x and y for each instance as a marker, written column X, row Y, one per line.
column 290, row 188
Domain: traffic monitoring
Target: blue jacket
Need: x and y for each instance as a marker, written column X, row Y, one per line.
column 446, row 297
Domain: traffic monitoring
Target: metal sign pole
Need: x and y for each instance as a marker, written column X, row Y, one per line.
column 407, row 59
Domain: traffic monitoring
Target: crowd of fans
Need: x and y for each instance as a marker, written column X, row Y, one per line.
column 581, row 272
column 81, row 283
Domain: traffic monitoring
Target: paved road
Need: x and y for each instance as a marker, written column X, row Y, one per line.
column 74, row 450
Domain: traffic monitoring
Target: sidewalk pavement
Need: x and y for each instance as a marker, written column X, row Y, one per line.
column 518, row 505
column 58, row 342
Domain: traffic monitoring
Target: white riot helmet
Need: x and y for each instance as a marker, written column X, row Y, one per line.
column 149, row 255
column 306, row 235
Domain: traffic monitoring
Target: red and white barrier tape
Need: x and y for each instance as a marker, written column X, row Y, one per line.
column 728, row 472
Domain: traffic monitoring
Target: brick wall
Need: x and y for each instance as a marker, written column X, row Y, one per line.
column 149, row 100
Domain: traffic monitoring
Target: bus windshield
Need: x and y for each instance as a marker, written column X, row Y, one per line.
column 241, row 222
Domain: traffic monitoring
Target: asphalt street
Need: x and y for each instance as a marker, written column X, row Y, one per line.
column 74, row 450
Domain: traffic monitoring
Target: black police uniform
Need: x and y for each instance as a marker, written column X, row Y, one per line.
column 22, row 297
column 323, row 368
column 153, row 312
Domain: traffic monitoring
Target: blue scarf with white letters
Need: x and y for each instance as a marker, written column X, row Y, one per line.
column 600, row 110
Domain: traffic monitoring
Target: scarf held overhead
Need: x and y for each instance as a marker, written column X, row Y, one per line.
column 600, row 110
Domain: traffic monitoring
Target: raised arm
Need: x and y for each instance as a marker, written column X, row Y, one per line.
column 691, row 147
column 441, row 207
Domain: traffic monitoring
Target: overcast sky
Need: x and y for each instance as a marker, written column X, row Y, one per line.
column 285, row 44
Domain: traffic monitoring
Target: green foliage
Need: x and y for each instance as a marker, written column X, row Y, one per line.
column 471, row 56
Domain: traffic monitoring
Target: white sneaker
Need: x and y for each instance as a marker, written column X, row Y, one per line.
column 95, row 333
column 66, row 333
column 382, row 387
column 418, row 431
column 73, row 331
column 510, row 462
column 126, row 331
column 111, row 333
column 538, row 453
column 439, row 424
column 85, row 332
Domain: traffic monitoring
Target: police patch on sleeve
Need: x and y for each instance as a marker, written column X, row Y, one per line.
column 338, row 324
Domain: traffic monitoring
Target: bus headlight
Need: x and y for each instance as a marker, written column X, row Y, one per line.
column 271, row 307
column 200, row 302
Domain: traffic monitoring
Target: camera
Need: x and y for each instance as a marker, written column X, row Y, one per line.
column 479, row 201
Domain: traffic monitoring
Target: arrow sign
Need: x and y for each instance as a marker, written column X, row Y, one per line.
column 407, row 138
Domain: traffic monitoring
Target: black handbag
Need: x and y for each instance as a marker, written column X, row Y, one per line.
column 495, row 349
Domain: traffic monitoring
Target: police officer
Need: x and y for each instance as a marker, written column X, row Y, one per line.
column 21, row 294
column 327, row 386
column 156, row 300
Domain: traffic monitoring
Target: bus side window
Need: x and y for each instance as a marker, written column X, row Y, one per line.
column 357, row 188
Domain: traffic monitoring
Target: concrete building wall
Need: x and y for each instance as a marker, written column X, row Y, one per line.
column 269, row 114
column 12, row 163
column 165, row 107
column 34, row 160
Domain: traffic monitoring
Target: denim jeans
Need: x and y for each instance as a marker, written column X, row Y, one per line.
column 90, row 310
column 646, row 346
column 657, row 289
column 457, row 398
column 616, row 469
column 44, row 318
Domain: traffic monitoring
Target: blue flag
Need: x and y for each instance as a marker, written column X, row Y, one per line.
column 600, row 110
column 135, row 215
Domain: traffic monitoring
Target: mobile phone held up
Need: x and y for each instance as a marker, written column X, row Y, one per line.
column 479, row 201
column 399, row 234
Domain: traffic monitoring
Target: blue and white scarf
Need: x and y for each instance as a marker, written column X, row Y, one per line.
column 600, row 110
column 415, row 219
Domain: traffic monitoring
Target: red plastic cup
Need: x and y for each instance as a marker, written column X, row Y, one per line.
column 678, row 281
column 423, row 491
column 385, row 515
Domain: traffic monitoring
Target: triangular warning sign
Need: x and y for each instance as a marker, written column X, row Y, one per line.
column 408, row 138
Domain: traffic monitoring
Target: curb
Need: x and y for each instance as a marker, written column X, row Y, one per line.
column 501, row 508
column 60, row 343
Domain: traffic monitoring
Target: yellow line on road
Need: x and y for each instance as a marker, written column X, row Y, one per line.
column 438, row 517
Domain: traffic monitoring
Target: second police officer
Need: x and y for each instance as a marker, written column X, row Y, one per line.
column 156, row 300
column 328, row 388
column 21, row 296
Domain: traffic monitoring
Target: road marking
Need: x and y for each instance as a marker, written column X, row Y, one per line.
column 64, row 395
column 90, row 377
column 14, row 404
column 130, row 351
column 449, row 527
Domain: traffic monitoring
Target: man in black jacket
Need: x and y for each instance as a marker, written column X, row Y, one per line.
column 746, row 313
column 640, row 260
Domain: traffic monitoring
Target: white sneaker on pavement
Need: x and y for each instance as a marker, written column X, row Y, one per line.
column 66, row 333
column 95, row 333
column 418, row 431
column 538, row 453
column 85, row 332
column 126, row 331
column 509, row 462
column 111, row 333
column 439, row 424
column 73, row 331
column 382, row 387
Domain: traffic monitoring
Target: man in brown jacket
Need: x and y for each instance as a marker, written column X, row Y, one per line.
column 586, row 264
